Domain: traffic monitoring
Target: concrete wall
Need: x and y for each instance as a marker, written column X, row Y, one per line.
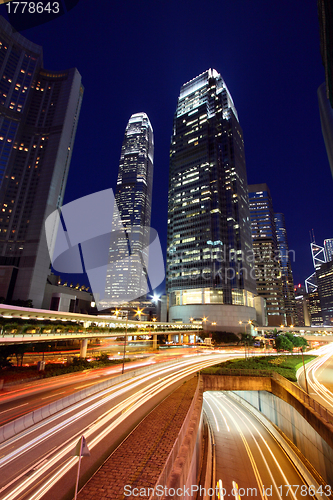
column 296, row 428
column 227, row 317
column 307, row 424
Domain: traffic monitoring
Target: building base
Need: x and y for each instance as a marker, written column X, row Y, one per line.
column 218, row 317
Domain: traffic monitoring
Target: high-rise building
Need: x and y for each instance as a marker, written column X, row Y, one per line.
column 314, row 306
column 266, row 252
column 325, row 290
column 287, row 275
column 325, row 15
column 302, row 306
column 328, row 245
column 127, row 277
column 326, row 120
column 209, row 264
column 39, row 111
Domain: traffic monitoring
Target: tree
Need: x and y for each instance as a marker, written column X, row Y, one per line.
column 283, row 343
column 19, row 350
column 6, row 351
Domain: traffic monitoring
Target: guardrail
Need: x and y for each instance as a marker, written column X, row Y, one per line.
column 21, row 337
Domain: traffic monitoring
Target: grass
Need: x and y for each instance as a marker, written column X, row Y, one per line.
column 284, row 365
column 20, row 374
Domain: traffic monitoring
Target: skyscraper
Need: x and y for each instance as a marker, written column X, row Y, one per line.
column 328, row 245
column 209, row 268
column 128, row 255
column 265, row 247
column 325, row 15
column 287, row 275
column 325, row 291
column 39, row 111
column 326, row 120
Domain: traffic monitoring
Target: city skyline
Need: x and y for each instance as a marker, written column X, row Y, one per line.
column 283, row 140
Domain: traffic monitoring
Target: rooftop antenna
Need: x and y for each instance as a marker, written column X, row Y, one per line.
column 314, row 239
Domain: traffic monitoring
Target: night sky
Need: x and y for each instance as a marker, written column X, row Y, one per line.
column 135, row 55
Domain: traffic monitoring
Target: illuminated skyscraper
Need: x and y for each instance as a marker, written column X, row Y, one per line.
column 287, row 275
column 328, row 245
column 209, row 235
column 129, row 254
column 267, row 258
column 39, row 111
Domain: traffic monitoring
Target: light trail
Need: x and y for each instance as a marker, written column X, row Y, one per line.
column 325, row 352
column 45, row 474
column 235, row 412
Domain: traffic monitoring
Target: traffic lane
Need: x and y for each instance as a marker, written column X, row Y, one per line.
column 27, row 399
column 37, row 466
column 319, row 372
column 32, row 447
column 248, row 455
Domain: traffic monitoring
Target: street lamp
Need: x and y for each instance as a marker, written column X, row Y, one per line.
column 306, row 380
column 139, row 313
column 123, row 368
column 245, row 323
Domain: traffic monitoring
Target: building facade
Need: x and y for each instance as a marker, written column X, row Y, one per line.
column 285, row 262
column 39, row 111
column 210, row 269
column 325, row 290
column 128, row 256
column 266, row 253
column 325, row 16
column 328, row 245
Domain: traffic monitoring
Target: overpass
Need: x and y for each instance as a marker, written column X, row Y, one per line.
column 314, row 333
column 108, row 322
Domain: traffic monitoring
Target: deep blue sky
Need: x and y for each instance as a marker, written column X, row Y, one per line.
column 135, row 55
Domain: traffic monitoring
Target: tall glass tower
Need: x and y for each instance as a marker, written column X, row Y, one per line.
column 267, row 254
column 286, row 271
column 209, row 250
column 128, row 256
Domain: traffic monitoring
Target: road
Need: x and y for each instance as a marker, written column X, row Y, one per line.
column 39, row 463
column 320, row 376
column 249, row 461
column 24, row 398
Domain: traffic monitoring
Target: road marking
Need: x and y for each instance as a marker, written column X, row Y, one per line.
column 11, row 409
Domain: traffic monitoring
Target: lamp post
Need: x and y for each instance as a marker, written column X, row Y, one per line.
column 245, row 323
column 306, row 380
column 123, row 368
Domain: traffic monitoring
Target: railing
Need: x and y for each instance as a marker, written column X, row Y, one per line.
column 86, row 334
column 162, row 480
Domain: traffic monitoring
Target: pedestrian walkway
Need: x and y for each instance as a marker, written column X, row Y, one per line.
column 139, row 460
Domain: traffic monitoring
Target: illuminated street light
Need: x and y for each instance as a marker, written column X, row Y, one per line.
column 139, row 313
